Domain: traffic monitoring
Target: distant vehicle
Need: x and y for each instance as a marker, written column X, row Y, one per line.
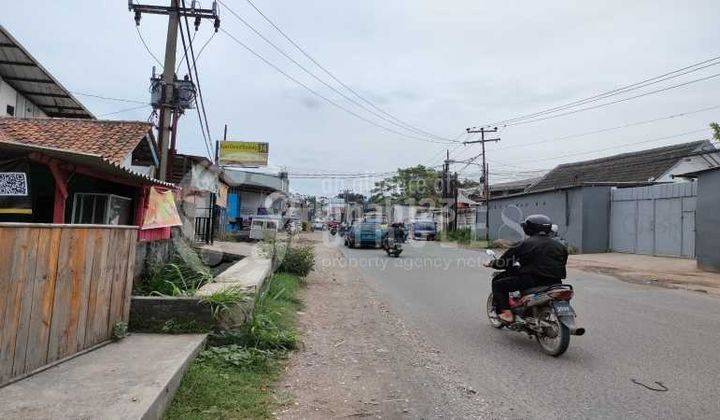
column 318, row 225
column 264, row 227
column 364, row 234
column 424, row 229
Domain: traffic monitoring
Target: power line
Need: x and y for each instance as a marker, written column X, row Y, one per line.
column 147, row 48
column 616, row 146
column 203, row 125
column 197, row 80
column 617, row 127
column 185, row 52
column 323, row 82
column 123, row 110
column 335, row 78
column 624, row 89
column 323, row 97
column 109, row 98
column 652, row 92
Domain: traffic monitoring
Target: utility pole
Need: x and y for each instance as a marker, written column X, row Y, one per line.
column 446, row 190
column 169, row 110
column 486, row 172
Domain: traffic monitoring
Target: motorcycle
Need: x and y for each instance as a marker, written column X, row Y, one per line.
column 541, row 312
column 392, row 247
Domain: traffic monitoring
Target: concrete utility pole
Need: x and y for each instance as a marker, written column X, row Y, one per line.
column 486, row 172
column 168, row 78
column 169, row 111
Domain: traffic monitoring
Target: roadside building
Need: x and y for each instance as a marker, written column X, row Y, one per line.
column 199, row 182
column 27, row 90
column 593, row 199
column 77, row 171
column 252, row 194
column 707, row 218
column 502, row 189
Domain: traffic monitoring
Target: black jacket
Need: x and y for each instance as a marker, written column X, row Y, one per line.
column 539, row 256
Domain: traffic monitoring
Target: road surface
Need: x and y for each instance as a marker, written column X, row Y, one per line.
column 635, row 332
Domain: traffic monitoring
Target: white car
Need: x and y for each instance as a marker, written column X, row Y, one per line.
column 318, row 225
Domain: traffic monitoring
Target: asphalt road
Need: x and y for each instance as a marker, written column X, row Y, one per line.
column 636, row 332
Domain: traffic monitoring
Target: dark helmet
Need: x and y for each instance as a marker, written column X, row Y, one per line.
column 536, row 224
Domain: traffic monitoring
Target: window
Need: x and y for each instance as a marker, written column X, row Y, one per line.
column 100, row 209
column 10, row 110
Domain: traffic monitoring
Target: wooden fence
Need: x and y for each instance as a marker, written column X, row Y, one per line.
column 62, row 289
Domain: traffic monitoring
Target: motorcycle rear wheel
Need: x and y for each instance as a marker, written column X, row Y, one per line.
column 492, row 315
column 556, row 342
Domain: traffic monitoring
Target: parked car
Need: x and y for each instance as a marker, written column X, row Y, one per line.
column 264, row 227
column 318, row 225
column 424, row 229
column 364, row 234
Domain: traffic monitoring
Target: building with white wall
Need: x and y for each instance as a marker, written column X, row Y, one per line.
column 28, row 90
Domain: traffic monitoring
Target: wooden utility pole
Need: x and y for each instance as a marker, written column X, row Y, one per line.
column 168, row 105
column 486, row 172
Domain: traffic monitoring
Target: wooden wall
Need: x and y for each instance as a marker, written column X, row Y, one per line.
column 62, row 289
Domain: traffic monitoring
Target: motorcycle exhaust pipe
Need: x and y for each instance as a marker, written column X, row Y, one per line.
column 577, row 331
column 569, row 322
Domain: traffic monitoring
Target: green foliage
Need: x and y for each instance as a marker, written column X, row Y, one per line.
column 716, row 130
column 232, row 384
column 223, row 301
column 119, row 331
column 245, row 358
column 305, row 226
column 271, row 326
column 408, row 185
column 462, row 236
column 180, row 277
column 298, row 260
column 173, row 326
column 233, row 377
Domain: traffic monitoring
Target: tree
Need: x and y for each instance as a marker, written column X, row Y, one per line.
column 408, row 185
column 716, row 130
column 352, row 197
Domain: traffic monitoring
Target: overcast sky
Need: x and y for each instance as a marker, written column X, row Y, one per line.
column 438, row 65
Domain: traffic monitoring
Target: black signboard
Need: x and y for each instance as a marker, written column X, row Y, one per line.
column 14, row 187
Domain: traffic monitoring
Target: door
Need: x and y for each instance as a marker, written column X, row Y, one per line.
column 623, row 226
column 668, row 227
column 645, row 227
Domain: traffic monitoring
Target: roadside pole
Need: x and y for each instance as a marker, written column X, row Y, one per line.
column 169, row 108
column 486, row 172
column 168, row 78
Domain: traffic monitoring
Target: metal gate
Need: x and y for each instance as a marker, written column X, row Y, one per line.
column 655, row 220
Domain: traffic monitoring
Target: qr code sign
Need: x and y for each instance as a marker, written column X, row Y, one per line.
column 13, row 183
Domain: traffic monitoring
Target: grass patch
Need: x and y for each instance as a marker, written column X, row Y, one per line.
column 233, row 378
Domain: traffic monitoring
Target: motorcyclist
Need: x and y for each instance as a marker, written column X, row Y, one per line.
column 397, row 232
column 541, row 259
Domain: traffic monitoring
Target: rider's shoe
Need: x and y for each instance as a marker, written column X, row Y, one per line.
column 506, row 316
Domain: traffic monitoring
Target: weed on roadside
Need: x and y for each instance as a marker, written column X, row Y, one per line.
column 233, row 378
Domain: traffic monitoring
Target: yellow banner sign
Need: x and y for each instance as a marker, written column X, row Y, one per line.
column 243, row 153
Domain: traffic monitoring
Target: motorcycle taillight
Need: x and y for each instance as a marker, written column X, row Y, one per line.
column 562, row 294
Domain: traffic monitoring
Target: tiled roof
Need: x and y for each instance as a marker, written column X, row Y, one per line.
column 112, row 140
column 639, row 167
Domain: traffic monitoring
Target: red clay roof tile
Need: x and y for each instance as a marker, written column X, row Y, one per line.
column 113, row 140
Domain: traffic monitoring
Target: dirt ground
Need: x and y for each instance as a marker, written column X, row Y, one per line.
column 360, row 360
column 674, row 273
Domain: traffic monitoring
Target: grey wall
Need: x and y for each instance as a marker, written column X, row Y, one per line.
column 582, row 215
column 707, row 221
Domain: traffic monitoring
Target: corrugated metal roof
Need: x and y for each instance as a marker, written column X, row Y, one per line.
column 24, row 73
